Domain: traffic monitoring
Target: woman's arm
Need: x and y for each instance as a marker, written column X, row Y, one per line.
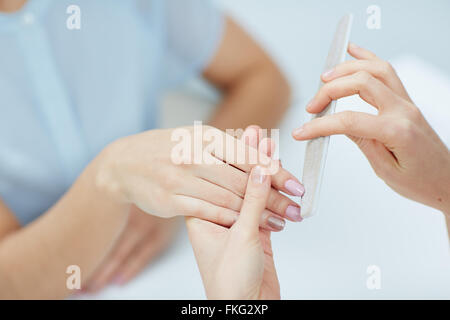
column 138, row 170
column 78, row 230
column 255, row 91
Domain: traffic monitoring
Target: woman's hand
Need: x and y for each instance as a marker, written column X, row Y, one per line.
column 400, row 145
column 237, row 263
column 143, row 239
column 141, row 170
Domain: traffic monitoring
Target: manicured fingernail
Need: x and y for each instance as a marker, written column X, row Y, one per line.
column 258, row 175
column 119, row 280
column 298, row 132
column 276, row 223
column 352, row 45
column 327, row 74
column 293, row 213
column 294, row 187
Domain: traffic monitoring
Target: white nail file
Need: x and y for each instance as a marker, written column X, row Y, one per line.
column 316, row 149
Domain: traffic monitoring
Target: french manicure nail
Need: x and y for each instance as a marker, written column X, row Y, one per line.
column 293, row 213
column 276, row 223
column 258, row 175
column 294, row 187
column 327, row 74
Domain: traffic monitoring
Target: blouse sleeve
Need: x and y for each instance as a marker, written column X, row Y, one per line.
column 193, row 32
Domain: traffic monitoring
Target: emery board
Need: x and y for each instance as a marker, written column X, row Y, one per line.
column 316, row 149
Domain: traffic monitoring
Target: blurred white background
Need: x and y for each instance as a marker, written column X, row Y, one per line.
column 361, row 222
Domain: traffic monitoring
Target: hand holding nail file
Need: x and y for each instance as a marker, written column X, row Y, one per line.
column 316, row 149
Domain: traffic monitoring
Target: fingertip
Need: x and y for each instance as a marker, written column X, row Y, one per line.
column 312, row 107
column 298, row 133
column 327, row 75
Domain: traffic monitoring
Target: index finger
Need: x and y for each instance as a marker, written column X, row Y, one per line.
column 238, row 154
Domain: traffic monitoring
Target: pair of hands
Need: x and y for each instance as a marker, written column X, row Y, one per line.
column 404, row 151
column 400, row 145
column 140, row 171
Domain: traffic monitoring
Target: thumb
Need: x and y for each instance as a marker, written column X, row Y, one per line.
column 258, row 188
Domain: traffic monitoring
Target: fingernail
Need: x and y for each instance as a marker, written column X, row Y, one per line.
column 352, row 45
column 298, row 132
column 309, row 105
column 119, row 280
column 294, row 187
column 293, row 213
column 327, row 74
column 276, row 223
column 258, row 175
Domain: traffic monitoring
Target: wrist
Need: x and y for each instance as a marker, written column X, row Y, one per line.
column 105, row 178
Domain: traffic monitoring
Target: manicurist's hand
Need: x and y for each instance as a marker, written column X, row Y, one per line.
column 400, row 145
column 142, row 170
column 237, row 263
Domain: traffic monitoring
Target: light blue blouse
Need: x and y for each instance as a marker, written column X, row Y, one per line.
column 65, row 94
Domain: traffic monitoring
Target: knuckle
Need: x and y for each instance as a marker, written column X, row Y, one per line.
column 385, row 68
column 328, row 90
column 401, row 130
column 363, row 78
column 347, row 119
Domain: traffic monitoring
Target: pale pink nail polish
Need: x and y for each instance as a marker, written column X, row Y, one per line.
column 293, row 213
column 119, row 280
column 294, row 187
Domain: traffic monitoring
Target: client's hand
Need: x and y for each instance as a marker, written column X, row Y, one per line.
column 400, row 145
column 237, row 263
column 143, row 239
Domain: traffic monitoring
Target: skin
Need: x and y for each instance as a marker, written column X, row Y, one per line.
column 246, row 76
column 106, row 224
column 237, row 262
column 400, row 145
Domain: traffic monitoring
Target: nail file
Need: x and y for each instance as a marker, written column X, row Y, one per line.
column 316, row 149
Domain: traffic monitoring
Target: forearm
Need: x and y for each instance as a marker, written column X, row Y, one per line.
column 78, row 230
column 261, row 97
